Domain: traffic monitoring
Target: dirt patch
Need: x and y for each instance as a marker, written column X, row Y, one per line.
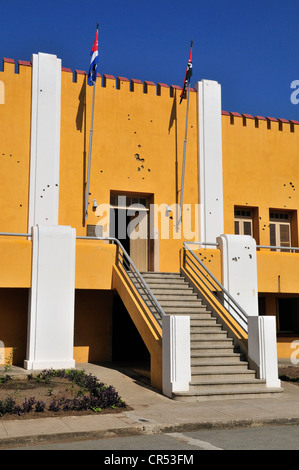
column 23, row 391
column 289, row 374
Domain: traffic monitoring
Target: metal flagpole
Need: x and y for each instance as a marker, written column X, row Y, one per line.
column 89, row 156
column 90, row 145
column 184, row 160
column 184, row 156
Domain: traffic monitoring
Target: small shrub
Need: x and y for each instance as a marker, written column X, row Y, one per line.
column 7, row 406
column 28, row 405
column 40, row 406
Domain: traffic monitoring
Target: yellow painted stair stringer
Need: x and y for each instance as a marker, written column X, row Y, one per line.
column 147, row 326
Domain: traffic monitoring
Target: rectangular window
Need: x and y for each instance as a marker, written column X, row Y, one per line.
column 280, row 229
column 243, row 222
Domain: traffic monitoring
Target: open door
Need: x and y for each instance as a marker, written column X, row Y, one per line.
column 129, row 223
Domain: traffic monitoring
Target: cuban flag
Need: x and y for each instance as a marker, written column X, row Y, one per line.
column 92, row 73
column 188, row 74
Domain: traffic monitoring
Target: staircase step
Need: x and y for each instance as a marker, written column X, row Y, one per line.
column 222, row 359
column 207, row 355
column 156, row 275
column 181, row 303
column 186, row 295
column 198, row 317
column 226, row 377
column 183, row 291
column 165, row 280
column 168, row 286
column 186, row 310
column 210, row 321
column 226, row 394
column 212, row 342
column 208, row 336
column 223, row 368
column 223, row 384
column 206, row 327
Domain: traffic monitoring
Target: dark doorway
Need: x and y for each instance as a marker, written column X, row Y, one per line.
column 288, row 315
column 127, row 344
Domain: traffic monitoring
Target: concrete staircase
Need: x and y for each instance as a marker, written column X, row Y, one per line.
column 218, row 370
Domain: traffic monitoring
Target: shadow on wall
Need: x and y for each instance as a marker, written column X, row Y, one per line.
column 81, row 126
column 173, row 122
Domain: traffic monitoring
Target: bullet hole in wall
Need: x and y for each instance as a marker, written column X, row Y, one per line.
column 137, row 156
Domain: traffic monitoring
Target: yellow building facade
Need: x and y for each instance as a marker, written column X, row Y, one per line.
column 137, row 158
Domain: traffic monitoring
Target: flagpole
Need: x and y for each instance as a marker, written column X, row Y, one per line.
column 90, row 147
column 89, row 155
column 184, row 155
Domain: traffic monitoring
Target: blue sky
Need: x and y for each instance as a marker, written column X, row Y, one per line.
column 250, row 47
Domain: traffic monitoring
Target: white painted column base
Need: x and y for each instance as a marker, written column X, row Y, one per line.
column 176, row 354
column 51, row 304
column 239, row 270
column 262, row 348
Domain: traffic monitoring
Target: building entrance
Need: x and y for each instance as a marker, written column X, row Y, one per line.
column 129, row 223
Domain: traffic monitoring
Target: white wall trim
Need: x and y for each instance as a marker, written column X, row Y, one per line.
column 210, row 160
column 45, row 140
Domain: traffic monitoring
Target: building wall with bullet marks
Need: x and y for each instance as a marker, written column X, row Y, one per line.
column 137, row 149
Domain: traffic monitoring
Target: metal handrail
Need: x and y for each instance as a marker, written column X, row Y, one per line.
column 285, row 248
column 126, row 263
column 10, row 234
column 204, row 272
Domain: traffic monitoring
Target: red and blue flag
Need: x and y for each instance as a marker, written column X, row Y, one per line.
column 188, row 74
column 92, row 73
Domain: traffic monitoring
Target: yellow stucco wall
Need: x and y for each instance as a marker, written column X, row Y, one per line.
column 126, row 124
column 261, row 170
column 15, row 115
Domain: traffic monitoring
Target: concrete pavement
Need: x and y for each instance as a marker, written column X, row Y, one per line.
column 152, row 413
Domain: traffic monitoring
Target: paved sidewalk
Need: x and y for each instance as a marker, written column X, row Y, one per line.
column 152, row 413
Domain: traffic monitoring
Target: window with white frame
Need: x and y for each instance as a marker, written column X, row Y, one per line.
column 280, row 229
column 243, row 222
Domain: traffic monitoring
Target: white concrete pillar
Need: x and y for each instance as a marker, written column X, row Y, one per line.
column 262, row 348
column 210, row 160
column 176, row 354
column 45, row 140
column 239, row 270
column 51, row 306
